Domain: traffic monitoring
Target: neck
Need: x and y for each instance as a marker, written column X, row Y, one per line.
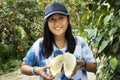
column 60, row 42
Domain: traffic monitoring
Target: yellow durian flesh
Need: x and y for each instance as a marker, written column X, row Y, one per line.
column 69, row 64
column 56, row 65
column 67, row 61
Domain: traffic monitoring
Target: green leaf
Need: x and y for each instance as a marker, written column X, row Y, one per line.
column 115, row 46
column 98, row 39
column 107, row 19
column 119, row 12
column 112, row 31
column 22, row 32
column 91, row 32
column 116, row 22
column 117, row 2
column 118, row 66
column 4, row 36
column 99, row 19
column 84, row 17
column 113, row 63
column 103, row 45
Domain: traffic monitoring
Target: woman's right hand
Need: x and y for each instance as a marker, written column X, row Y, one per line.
column 41, row 71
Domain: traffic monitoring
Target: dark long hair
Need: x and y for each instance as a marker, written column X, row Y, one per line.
column 49, row 40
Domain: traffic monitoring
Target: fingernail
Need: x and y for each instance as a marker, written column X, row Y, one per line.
column 48, row 71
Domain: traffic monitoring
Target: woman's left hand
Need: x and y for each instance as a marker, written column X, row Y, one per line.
column 80, row 63
column 89, row 66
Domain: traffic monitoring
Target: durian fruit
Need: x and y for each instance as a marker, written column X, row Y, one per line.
column 69, row 65
column 56, row 65
column 66, row 61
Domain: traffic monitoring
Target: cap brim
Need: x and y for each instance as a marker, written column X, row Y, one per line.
column 54, row 13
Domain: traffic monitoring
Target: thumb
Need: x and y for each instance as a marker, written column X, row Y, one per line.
column 46, row 67
column 79, row 61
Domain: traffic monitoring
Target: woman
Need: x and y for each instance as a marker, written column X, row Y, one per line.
column 58, row 39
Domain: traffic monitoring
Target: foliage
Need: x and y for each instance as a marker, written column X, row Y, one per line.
column 105, row 18
column 11, row 65
column 20, row 26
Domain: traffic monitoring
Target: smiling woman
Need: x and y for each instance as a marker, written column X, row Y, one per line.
column 57, row 40
column 58, row 24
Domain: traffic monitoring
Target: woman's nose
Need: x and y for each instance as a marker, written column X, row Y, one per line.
column 57, row 22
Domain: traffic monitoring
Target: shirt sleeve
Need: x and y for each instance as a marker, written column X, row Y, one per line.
column 87, row 53
column 32, row 55
column 30, row 58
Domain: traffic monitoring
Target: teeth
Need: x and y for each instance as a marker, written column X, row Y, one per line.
column 57, row 28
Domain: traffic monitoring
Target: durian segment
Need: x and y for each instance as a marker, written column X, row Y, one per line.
column 56, row 65
column 67, row 61
column 69, row 64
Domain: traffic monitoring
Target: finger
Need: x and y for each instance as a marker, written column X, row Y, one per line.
column 44, row 75
column 47, row 76
column 46, row 67
column 50, row 77
column 79, row 61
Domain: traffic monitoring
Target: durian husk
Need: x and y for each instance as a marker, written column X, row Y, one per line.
column 67, row 61
column 74, row 71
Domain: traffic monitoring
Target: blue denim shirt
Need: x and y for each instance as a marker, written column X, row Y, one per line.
column 35, row 57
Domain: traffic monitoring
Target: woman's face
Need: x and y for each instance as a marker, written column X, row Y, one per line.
column 58, row 24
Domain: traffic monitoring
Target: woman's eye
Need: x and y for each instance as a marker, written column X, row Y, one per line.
column 61, row 17
column 51, row 19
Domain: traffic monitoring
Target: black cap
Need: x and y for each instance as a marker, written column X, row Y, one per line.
column 55, row 7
